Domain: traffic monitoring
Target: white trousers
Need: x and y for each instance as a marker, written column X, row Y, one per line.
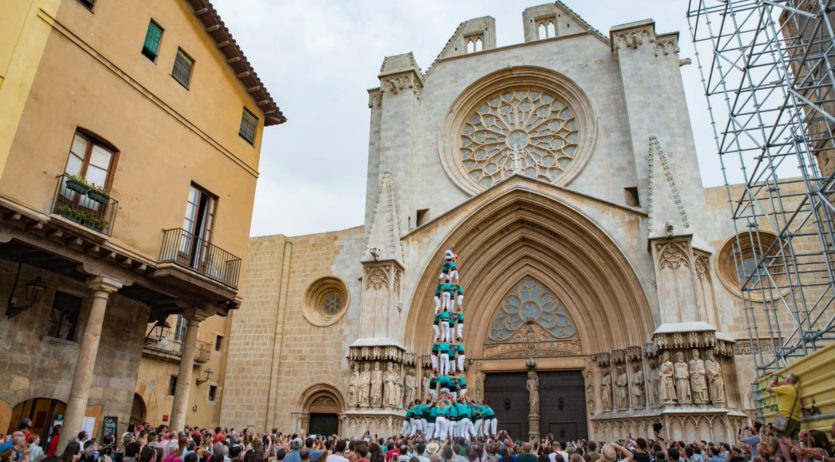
column 477, row 427
column 462, row 392
column 446, row 332
column 452, row 429
column 453, row 276
column 460, row 301
column 434, row 359
column 430, row 430
column 437, row 304
column 433, row 394
column 452, row 365
column 490, row 426
column 446, row 300
column 460, row 328
column 441, row 427
column 460, row 363
column 406, row 428
column 437, row 331
column 424, row 425
column 444, row 363
column 465, row 428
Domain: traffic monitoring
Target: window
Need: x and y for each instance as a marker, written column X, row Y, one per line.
column 631, row 196
column 172, row 385
column 422, row 215
column 88, row 3
column 91, row 159
column 218, row 343
column 180, row 328
column 64, row 316
column 198, row 223
column 182, row 68
column 153, row 37
column 248, row 125
column 212, row 392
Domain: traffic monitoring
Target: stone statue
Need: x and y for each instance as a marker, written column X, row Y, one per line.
column 377, row 386
column 590, row 399
column 715, row 379
column 410, row 384
column 425, row 390
column 653, row 383
column 476, row 373
column 622, row 383
column 353, row 384
column 682, row 374
column 637, row 386
column 390, row 388
column 698, row 381
column 606, row 391
column 533, row 392
column 365, row 386
column 398, row 387
column 667, row 391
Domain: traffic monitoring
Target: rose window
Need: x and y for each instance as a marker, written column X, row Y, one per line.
column 332, row 303
column 526, row 131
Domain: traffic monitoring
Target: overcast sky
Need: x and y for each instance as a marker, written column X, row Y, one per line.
column 318, row 57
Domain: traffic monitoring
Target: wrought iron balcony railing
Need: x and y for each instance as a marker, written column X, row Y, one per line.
column 189, row 251
column 165, row 345
column 85, row 204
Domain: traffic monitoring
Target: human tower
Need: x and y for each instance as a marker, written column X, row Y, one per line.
column 447, row 411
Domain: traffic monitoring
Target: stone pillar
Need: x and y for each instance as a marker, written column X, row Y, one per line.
column 102, row 287
column 180, row 407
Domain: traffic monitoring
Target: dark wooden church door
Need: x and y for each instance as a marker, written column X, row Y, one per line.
column 562, row 405
column 508, row 397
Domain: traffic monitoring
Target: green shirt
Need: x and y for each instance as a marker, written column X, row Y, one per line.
column 436, row 348
column 452, row 352
column 460, row 317
column 433, row 382
column 444, row 316
column 460, row 348
column 444, row 381
column 445, row 287
column 464, row 410
column 437, row 319
column 449, row 265
column 434, row 412
column 453, row 317
column 487, row 412
column 444, row 348
column 458, row 289
column 462, row 382
column 452, row 412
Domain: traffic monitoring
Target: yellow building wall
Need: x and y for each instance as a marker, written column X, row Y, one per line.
column 154, row 376
column 92, row 75
column 22, row 41
column 817, row 390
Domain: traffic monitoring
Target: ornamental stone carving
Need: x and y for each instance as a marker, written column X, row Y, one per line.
column 698, row 379
column 529, row 131
column 622, row 385
column 410, row 387
column 353, row 385
column 715, row 379
column 667, row 391
column 531, row 303
column 376, row 394
column 364, row 399
column 654, row 383
column 637, row 386
column 606, row 391
column 682, row 374
column 533, row 393
column 390, row 388
column 528, row 121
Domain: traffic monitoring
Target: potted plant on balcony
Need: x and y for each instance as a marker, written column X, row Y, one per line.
column 78, row 184
column 98, row 194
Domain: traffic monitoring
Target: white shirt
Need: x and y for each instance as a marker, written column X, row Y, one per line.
column 336, row 458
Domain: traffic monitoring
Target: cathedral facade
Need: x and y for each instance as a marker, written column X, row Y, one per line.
column 563, row 172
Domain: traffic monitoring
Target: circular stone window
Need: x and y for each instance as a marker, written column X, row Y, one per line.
column 325, row 301
column 732, row 269
column 526, row 121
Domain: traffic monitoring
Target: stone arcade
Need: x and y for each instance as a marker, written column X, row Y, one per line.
column 563, row 171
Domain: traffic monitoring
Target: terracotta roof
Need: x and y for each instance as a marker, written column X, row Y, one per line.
column 236, row 60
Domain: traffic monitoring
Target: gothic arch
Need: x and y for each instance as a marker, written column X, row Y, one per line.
column 523, row 232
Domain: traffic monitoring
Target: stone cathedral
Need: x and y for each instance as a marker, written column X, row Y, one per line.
column 563, row 171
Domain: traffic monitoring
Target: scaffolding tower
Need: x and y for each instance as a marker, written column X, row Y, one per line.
column 767, row 71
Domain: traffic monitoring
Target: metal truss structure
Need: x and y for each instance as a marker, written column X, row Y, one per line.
column 768, row 69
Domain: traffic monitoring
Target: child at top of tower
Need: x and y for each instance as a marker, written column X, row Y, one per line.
column 449, row 270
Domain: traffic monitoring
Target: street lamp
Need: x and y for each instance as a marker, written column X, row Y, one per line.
column 208, row 372
column 34, row 292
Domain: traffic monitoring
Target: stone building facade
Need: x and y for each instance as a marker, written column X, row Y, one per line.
column 563, row 172
column 127, row 178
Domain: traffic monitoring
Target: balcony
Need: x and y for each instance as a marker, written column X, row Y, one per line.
column 84, row 204
column 166, row 347
column 186, row 250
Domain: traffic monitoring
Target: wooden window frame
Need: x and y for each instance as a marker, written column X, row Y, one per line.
column 254, row 128
column 93, row 139
column 201, row 227
column 153, row 58
column 187, row 83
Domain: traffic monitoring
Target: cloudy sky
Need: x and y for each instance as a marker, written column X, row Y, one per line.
column 318, row 57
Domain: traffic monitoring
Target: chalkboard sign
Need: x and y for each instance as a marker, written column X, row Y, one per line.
column 110, row 426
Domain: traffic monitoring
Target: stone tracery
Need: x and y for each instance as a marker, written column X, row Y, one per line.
column 528, row 131
column 531, row 303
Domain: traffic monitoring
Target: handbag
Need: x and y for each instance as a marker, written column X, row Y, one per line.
column 782, row 421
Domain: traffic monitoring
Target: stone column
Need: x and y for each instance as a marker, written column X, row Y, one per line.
column 102, row 287
column 180, row 407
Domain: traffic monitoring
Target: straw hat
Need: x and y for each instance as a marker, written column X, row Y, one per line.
column 609, row 453
column 433, row 447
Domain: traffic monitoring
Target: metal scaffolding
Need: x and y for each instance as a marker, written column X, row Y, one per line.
column 767, row 70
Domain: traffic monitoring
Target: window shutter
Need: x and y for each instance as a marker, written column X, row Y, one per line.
column 152, row 40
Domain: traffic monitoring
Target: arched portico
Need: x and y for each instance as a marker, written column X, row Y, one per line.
column 525, row 233
column 317, row 406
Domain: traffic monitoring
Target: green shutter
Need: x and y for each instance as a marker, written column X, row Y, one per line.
column 152, row 39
